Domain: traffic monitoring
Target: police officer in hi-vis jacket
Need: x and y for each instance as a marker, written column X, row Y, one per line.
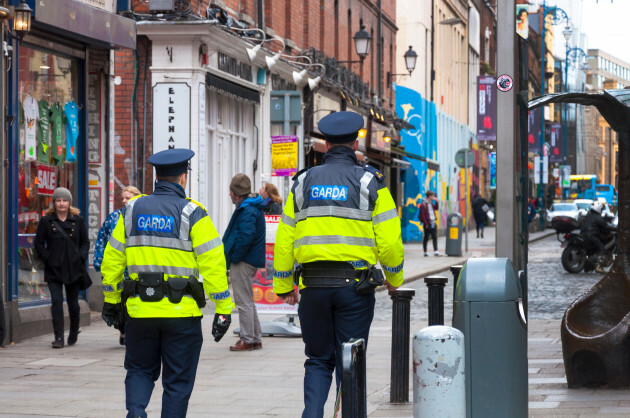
column 167, row 242
column 339, row 221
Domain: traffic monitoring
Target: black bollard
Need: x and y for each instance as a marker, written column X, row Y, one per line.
column 401, row 317
column 455, row 270
column 436, row 299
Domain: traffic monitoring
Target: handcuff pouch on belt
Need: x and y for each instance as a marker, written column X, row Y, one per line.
column 369, row 280
column 176, row 288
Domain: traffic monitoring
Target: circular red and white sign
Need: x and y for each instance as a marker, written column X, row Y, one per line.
column 504, row 82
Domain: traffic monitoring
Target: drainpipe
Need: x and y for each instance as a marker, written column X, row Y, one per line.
column 432, row 45
column 379, row 45
column 261, row 14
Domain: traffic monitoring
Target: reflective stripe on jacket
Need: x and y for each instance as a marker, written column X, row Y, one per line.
column 338, row 211
column 165, row 232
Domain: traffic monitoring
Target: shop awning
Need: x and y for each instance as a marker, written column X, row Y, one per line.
column 90, row 24
column 233, row 89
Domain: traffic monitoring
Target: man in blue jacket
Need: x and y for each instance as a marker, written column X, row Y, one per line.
column 244, row 244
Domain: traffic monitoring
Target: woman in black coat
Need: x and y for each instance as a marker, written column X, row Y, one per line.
column 64, row 265
column 480, row 207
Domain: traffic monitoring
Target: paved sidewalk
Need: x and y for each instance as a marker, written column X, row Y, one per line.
column 87, row 380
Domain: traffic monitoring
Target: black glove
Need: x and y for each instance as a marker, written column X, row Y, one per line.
column 112, row 314
column 220, row 325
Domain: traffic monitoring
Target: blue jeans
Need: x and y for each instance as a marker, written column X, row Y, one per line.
column 175, row 344
column 329, row 317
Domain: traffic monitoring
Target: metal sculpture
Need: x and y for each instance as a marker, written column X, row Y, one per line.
column 596, row 327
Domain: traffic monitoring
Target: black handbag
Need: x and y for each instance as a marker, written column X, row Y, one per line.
column 85, row 282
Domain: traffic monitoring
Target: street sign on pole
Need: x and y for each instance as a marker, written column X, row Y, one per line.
column 464, row 158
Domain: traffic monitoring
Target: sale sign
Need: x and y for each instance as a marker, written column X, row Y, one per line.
column 46, row 179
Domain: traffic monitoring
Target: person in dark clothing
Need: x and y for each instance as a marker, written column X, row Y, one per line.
column 593, row 225
column 480, row 207
column 273, row 201
column 63, row 264
column 428, row 217
column 244, row 245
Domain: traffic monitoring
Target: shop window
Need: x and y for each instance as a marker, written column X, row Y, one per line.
column 49, row 123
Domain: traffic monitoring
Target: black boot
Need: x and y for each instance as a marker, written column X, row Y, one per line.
column 58, row 343
column 74, row 330
column 481, row 233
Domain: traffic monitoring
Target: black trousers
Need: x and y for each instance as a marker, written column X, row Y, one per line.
column 72, row 298
column 170, row 345
column 329, row 317
column 429, row 232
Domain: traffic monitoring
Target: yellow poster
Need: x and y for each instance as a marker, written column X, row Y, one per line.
column 284, row 154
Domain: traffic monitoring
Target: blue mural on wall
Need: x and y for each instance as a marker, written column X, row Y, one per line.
column 421, row 141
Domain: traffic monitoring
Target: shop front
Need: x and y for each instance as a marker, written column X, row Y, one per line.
column 57, row 134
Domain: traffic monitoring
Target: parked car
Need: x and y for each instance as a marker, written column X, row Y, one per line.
column 562, row 209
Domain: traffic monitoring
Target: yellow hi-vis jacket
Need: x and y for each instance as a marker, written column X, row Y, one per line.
column 338, row 211
column 166, row 232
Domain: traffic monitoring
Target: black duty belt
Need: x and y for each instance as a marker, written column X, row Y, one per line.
column 329, row 274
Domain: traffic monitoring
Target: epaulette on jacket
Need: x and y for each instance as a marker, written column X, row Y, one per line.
column 377, row 173
column 198, row 204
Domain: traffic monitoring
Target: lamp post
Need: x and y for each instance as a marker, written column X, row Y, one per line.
column 362, row 41
column 558, row 16
column 410, row 62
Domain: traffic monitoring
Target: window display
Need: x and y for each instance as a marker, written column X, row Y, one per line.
column 49, row 127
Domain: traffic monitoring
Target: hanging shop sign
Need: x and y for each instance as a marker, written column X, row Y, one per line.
column 486, row 108
column 556, row 144
column 380, row 141
column 171, row 116
column 533, row 130
column 284, row 154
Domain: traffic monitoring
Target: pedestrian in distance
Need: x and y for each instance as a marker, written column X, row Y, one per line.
column 166, row 241
column 244, row 244
column 273, row 201
column 62, row 243
column 338, row 222
column 480, row 206
column 428, row 216
column 101, row 241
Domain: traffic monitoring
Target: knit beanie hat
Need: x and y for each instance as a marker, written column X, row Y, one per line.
column 62, row 193
column 241, row 185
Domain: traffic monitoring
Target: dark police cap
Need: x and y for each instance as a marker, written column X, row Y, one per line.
column 171, row 162
column 341, row 127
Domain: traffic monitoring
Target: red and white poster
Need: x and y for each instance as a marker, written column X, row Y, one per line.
column 264, row 297
column 46, row 179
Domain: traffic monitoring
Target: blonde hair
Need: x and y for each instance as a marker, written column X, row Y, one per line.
column 133, row 190
column 272, row 191
column 71, row 211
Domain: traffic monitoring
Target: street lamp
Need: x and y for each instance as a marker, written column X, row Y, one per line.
column 410, row 62
column 362, row 42
column 558, row 16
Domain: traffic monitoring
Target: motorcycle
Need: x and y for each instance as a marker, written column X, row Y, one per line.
column 580, row 252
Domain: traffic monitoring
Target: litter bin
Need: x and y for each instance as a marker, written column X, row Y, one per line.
column 488, row 309
column 454, row 223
